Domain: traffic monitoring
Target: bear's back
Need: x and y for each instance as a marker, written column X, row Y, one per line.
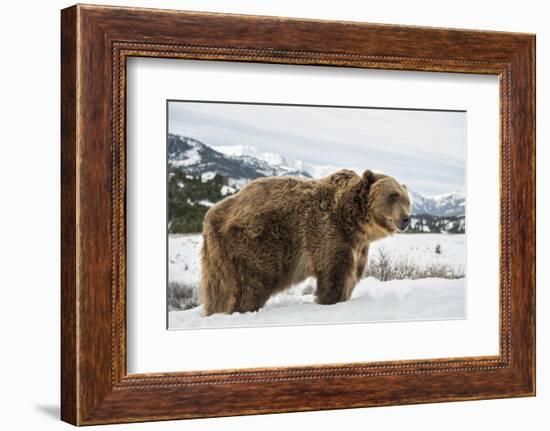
column 262, row 202
column 291, row 201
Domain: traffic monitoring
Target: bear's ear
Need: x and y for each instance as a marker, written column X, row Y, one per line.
column 369, row 177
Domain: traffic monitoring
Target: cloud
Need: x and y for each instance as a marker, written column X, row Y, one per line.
column 425, row 149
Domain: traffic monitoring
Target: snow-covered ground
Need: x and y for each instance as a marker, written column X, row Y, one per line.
column 420, row 249
column 372, row 300
column 184, row 259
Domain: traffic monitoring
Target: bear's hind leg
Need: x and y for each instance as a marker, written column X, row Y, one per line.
column 218, row 290
column 218, row 295
column 253, row 294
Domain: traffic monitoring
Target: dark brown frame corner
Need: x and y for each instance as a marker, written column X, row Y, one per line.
column 95, row 43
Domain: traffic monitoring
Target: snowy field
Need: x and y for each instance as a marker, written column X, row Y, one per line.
column 372, row 300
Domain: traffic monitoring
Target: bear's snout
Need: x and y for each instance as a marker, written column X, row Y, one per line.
column 405, row 221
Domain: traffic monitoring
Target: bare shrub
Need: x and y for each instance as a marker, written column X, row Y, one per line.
column 384, row 268
column 441, row 271
column 181, row 296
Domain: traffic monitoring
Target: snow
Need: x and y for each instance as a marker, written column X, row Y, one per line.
column 207, row 176
column 372, row 300
column 236, row 150
column 206, row 203
column 226, row 190
column 249, row 150
column 184, row 258
column 458, row 195
column 420, row 249
column 317, row 171
column 238, row 183
column 277, row 160
column 190, row 157
column 447, row 204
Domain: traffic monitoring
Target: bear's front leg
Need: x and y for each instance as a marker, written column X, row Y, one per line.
column 362, row 261
column 336, row 281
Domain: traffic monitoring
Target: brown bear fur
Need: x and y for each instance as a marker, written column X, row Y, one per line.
column 278, row 231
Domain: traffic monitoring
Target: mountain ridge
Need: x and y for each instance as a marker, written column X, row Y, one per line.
column 242, row 163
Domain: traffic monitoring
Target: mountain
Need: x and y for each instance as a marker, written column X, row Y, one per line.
column 436, row 224
column 200, row 175
column 449, row 204
column 274, row 159
column 249, row 150
column 196, row 158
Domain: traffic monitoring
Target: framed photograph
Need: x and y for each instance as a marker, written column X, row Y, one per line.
column 265, row 214
column 235, row 202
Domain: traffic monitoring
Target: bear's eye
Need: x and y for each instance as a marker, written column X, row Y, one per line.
column 394, row 196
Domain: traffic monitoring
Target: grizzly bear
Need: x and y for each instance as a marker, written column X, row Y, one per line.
column 277, row 231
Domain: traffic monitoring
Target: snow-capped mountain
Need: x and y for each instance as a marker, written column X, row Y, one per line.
column 435, row 224
column 196, row 158
column 275, row 159
column 242, row 163
column 249, row 150
column 445, row 205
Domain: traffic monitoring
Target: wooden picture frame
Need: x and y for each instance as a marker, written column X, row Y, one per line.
column 95, row 43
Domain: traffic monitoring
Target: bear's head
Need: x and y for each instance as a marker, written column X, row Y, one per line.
column 388, row 202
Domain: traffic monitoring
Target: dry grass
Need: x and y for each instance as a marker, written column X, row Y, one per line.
column 181, row 296
column 385, row 268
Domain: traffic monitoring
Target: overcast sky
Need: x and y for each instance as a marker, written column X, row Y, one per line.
column 424, row 149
